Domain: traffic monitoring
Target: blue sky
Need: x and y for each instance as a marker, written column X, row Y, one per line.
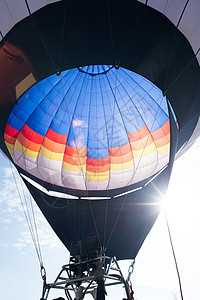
column 154, row 274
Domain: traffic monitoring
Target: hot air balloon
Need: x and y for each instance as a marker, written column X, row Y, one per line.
column 97, row 100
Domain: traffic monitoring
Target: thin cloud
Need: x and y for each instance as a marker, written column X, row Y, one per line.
column 13, row 192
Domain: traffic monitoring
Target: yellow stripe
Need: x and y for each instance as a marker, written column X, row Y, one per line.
column 164, row 149
column 25, row 151
column 97, row 177
column 75, row 168
column 10, row 148
column 51, row 155
column 144, row 152
column 121, row 166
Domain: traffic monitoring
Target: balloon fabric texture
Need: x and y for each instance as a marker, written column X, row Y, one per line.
column 97, row 101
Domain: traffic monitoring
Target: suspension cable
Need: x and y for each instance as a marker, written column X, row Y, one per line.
column 42, row 39
column 174, row 256
column 32, row 228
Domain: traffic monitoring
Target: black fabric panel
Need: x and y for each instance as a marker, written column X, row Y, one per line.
column 133, row 36
column 136, row 213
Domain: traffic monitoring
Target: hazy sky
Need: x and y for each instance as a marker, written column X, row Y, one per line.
column 154, row 275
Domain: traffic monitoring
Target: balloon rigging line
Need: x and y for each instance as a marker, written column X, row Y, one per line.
column 41, row 38
column 95, row 224
column 131, row 35
column 28, row 219
column 186, row 66
column 90, row 204
column 114, row 95
column 111, row 32
column 36, row 238
column 28, row 8
column 62, row 38
column 155, row 117
column 166, row 3
column 181, row 16
column 169, row 59
column 174, row 256
column 172, row 46
column 36, row 230
column 1, row 34
column 80, row 160
column 107, row 192
column 119, row 213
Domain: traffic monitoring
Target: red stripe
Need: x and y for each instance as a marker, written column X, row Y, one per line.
column 98, row 162
column 11, row 131
column 120, row 151
column 99, row 169
column 75, row 152
column 56, row 137
column 32, row 135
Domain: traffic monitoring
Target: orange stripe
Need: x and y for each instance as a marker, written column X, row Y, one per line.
column 120, row 151
column 78, row 161
column 98, row 162
column 163, row 142
column 56, row 137
column 141, row 144
column 27, row 143
column 139, row 134
column 53, row 146
column 162, row 131
column 75, row 152
column 98, row 169
column 9, row 139
column 121, row 159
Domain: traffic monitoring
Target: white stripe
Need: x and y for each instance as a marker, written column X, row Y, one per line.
column 47, row 192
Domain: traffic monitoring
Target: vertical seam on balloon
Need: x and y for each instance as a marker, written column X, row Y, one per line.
column 69, row 118
column 23, row 154
column 146, row 126
column 100, row 83
column 106, row 210
column 114, row 109
column 78, row 98
column 90, row 204
column 156, row 102
column 159, row 107
column 63, row 99
column 36, row 106
column 153, row 86
column 10, row 12
column 130, row 182
column 88, row 133
column 165, row 6
column 122, row 116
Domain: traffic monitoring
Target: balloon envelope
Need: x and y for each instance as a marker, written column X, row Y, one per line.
column 96, row 101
